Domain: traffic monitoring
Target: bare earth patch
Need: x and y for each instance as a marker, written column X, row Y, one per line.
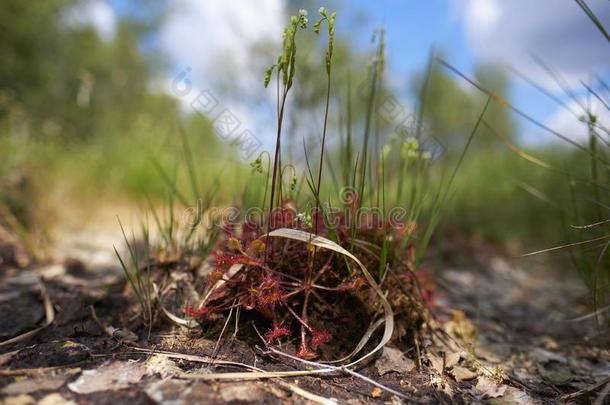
column 507, row 341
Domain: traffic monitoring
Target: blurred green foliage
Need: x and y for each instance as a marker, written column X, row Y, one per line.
column 78, row 110
column 79, row 115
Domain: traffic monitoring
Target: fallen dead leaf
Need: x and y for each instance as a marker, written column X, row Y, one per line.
column 30, row 385
column 463, row 374
column 488, row 388
column 436, row 362
column 55, row 399
column 114, row 376
column 549, row 343
column 19, row 400
column 163, row 366
column 514, row 396
column 243, row 392
column 460, row 327
column 163, row 391
column 451, row 359
column 392, row 359
column 376, row 392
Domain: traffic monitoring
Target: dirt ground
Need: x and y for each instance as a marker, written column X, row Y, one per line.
column 514, row 340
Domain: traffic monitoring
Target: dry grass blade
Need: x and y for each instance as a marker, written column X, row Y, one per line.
column 209, row 360
column 567, row 245
column 49, row 318
column 590, row 225
column 256, row 375
column 586, row 391
column 590, row 315
column 330, row 245
column 188, row 323
column 40, row 370
column 189, row 357
column 308, row 395
column 341, row 369
column 515, row 149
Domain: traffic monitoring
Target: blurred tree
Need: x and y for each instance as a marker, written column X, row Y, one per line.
column 28, row 44
column 494, row 78
column 451, row 109
column 63, row 79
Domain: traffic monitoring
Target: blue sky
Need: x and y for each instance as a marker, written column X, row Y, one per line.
column 413, row 27
column 202, row 34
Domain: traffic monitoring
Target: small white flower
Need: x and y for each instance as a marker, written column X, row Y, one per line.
column 412, row 143
column 412, row 154
column 304, row 218
column 322, row 10
column 303, row 12
column 426, row 155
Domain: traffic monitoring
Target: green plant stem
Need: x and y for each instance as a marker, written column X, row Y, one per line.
column 317, row 213
column 276, row 162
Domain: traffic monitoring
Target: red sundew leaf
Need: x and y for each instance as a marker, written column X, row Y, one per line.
column 272, row 298
column 320, row 337
column 276, row 333
column 305, row 353
column 194, row 312
column 268, row 295
column 201, row 313
column 224, row 261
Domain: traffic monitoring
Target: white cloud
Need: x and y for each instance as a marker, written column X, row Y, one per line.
column 96, row 13
column 483, row 13
column 217, row 37
column 567, row 121
column 558, row 32
column 218, row 41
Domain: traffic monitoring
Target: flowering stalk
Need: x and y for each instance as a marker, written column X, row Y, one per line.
column 285, row 67
column 329, row 55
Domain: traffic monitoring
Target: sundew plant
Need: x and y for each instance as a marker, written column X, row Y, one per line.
column 330, row 267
